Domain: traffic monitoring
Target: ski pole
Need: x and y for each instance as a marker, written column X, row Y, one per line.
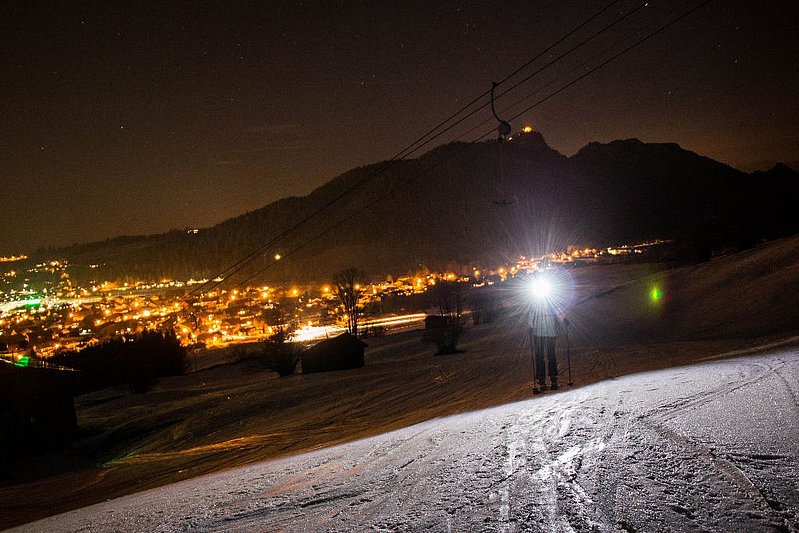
column 533, row 356
column 568, row 353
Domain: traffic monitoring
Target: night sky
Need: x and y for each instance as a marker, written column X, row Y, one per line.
column 128, row 118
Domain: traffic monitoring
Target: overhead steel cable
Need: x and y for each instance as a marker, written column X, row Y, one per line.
column 614, row 57
column 539, row 102
column 478, row 139
column 508, row 77
column 575, row 47
column 588, row 61
column 543, row 68
column 415, row 146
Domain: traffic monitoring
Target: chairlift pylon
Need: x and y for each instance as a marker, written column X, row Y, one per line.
column 503, row 131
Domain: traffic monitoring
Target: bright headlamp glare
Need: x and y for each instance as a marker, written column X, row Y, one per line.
column 541, row 288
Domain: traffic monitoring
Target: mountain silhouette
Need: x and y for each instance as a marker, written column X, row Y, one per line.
column 473, row 203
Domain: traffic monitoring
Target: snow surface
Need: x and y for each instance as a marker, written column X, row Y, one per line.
column 711, row 447
column 684, row 456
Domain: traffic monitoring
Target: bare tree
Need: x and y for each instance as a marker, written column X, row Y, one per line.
column 450, row 297
column 349, row 285
column 279, row 353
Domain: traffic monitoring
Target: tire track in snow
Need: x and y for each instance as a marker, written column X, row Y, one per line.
column 726, row 467
column 719, row 464
column 701, row 457
column 508, row 471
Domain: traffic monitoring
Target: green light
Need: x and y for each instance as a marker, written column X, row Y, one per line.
column 655, row 294
column 34, row 302
column 23, row 361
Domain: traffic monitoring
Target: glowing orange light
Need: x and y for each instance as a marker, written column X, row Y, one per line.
column 527, row 129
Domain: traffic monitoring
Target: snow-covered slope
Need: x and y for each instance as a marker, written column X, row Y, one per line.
column 229, row 416
column 712, row 447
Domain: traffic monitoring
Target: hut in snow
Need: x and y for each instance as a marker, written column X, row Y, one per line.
column 339, row 353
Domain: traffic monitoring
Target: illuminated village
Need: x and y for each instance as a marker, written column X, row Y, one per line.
column 56, row 314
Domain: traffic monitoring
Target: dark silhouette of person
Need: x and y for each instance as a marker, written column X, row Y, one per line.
column 543, row 333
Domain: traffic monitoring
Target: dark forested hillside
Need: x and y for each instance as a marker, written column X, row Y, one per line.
column 455, row 206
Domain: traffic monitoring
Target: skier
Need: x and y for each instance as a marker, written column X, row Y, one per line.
column 543, row 332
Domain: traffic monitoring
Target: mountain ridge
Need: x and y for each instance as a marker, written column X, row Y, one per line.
column 463, row 203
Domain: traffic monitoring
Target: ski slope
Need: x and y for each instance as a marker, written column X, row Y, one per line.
column 713, row 446
column 225, row 418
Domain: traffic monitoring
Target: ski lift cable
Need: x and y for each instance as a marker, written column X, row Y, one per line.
column 536, row 72
column 588, row 61
column 507, row 78
column 481, row 137
column 504, row 126
column 232, row 269
column 601, row 65
column 416, row 145
column 453, row 154
column 503, row 130
column 614, row 57
column 582, row 64
column 610, row 25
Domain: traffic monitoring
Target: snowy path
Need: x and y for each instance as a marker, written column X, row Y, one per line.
column 713, row 446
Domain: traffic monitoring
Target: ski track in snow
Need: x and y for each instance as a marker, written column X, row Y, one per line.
column 708, row 447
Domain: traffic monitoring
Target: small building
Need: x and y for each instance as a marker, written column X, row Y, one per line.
column 339, row 353
column 439, row 321
column 38, row 410
column 436, row 321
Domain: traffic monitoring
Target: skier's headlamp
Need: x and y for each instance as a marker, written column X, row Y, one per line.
column 541, row 287
column 552, row 287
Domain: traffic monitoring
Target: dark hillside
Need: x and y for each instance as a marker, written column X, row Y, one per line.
column 642, row 191
column 454, row 206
